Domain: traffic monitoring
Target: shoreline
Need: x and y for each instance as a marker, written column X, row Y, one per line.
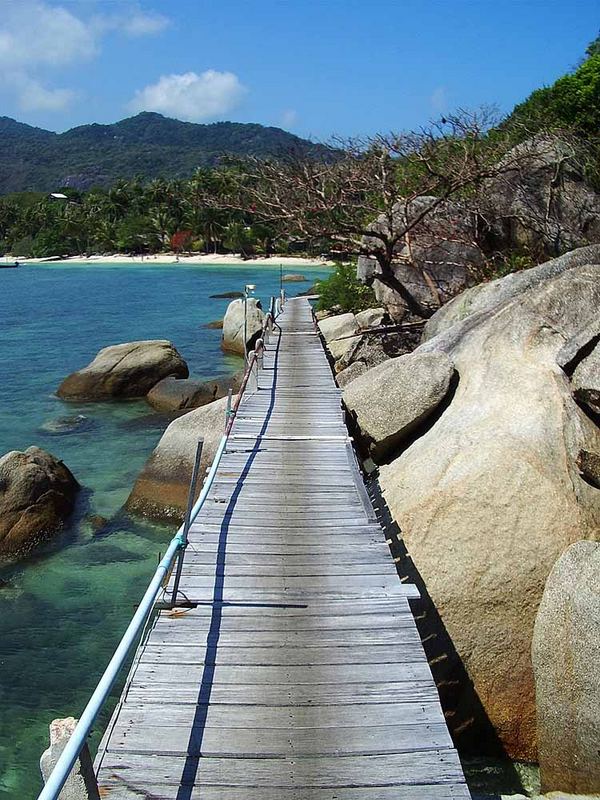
column 171, row 258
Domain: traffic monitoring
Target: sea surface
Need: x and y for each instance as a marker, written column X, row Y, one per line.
column 63, row 611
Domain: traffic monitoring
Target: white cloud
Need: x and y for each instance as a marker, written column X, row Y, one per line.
column 191, row 96
column 37, row 36
column 289, row 118
column 132, row 22
column 33, row 96
column 141, row 24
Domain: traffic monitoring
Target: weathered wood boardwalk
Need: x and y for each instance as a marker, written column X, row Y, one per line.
column 299, row 673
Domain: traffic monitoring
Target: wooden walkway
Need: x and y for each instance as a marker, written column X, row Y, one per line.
column 300, row 673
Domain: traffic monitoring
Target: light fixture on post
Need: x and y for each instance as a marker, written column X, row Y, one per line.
column 248, row 290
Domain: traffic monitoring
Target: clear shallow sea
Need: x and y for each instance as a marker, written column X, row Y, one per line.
column 63, row 611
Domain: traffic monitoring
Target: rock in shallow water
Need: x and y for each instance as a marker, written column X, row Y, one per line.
column 161, row 490
column 174, row 394
column 124, row 371
column 37, row 493
column 65, row 425
column 233, row 324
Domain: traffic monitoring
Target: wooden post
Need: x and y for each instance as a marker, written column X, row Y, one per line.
column 81, row 783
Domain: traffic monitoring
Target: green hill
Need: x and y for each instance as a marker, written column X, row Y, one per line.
column 148, row 145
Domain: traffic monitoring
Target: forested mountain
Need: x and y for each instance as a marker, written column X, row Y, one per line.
column 147, row 145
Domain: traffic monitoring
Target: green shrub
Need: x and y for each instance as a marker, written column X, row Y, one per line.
column 342, row 288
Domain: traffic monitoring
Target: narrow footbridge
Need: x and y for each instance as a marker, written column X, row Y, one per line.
column 289, row 664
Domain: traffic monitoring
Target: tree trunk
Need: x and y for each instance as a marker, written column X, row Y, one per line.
column 387, row 277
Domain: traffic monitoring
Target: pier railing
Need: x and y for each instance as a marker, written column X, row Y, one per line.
column 176, row 549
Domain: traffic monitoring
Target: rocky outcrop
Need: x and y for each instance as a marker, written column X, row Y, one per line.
column 350, row 373
column 124, row 371
column 391, row 400
column 438, row 262
column 540, row 200
column 371, row 318
column 586, row 381
column 487, row 297
column 293, row 278
column 175, row 394
column 37, row 493
column 566, row 663
column 338, row 333
column 492, row 491
column 161, row 490
column 233, row 325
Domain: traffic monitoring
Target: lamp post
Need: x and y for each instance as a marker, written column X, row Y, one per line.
column 248, row 290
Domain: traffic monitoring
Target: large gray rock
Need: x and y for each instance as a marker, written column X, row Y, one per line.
column 372, row 349
column 540, row 200
column 37, row 493
column 586, row 381
column 161, row 490
column 338, row 333
column 233, row 325
column 440, row 259
column 370, row 318
column 350, row 373
column 124, row 371
column 391, row 400
column 566, row 664
column 491, row 495
column 487, row 297
column 176, row 394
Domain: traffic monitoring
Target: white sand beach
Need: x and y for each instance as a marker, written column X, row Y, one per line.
column 172, row 258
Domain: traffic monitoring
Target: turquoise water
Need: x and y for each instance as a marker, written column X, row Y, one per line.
column 63, row 610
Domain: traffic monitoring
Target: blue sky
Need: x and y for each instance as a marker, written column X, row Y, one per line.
column 316, row 68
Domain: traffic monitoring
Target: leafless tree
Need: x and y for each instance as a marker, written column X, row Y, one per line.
column 364, row 197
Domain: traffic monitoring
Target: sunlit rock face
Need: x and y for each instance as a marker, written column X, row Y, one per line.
column 491, row 494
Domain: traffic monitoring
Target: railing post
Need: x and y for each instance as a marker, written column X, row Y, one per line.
column 260, row 354
column 228, row 409
column 188, row 520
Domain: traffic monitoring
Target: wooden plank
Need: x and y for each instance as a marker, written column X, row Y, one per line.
column 199, row 654
column 250, row 743
column 382, row 692
column 306, row 674
column 186, row 637
column 116, row 788
column 263, row 623
column 399, row 769
column 284, row 717
column 379, row 567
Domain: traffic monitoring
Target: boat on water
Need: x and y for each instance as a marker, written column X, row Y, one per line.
column 10, row 264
